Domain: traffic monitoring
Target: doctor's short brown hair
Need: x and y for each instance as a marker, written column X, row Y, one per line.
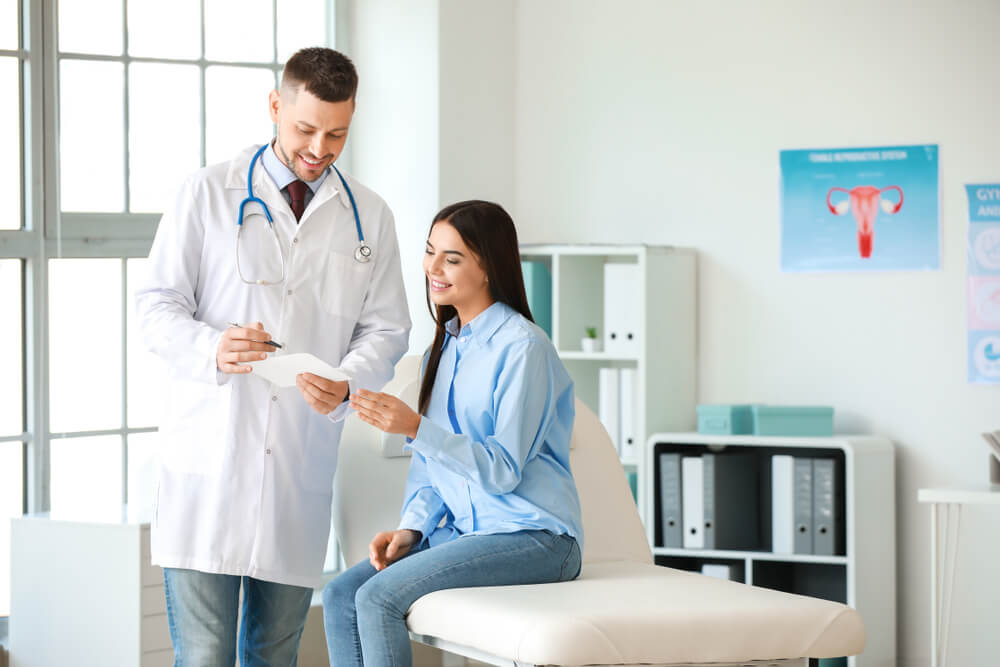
column 327, row 74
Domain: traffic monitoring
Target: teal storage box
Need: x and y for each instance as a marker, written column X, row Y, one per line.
column 798, row 420
column 725, row 419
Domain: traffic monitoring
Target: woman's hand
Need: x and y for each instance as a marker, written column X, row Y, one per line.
column 386, row 412
column 388, row 547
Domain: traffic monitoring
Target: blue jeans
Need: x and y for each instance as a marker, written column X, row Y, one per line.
column 202, row 612
column 364, row 611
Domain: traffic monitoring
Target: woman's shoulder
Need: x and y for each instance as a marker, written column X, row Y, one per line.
column 520, row 332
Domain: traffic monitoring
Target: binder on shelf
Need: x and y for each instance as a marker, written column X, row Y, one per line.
column 692, row 502
column 538, row 287
column 629, row 445
column 731, row 490
column 717, row 570
column 671, row 520
column 803, row 506
column 608, row 404
column 622, row 310
column 782, row 504
column 825, row 508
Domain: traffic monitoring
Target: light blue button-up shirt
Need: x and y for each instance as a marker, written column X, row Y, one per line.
column 492, row 453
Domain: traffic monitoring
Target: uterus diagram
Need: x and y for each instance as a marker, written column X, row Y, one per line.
column 864, row 202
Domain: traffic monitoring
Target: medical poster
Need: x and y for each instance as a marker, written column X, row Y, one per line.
column 984, row 283
column 860, row 209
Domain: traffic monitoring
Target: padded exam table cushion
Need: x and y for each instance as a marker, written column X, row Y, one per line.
column 633, row 613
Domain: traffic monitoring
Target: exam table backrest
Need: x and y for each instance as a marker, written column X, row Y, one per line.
column 372, row 468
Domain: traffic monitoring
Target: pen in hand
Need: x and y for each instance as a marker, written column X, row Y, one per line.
column 265, row 342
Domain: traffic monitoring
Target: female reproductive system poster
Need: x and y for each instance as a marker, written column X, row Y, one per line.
column 984, row 283
column 860, row 209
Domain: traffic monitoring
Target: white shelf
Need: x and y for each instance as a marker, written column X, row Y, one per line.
column 665, row 353
column 868, row 559
column 749, row 555
column 596, row 356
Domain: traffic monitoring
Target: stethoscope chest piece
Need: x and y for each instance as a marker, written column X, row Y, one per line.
column 363, row 253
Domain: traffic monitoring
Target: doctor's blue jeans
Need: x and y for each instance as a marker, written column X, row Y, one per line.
column 202, row 613
column 364, row 611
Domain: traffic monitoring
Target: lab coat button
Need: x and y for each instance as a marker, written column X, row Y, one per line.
column 274, row 398
column 289, row 292
column 295, row 240
column 267, row 451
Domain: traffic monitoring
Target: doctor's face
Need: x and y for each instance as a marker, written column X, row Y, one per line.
column 454, row 274
column 311, row 132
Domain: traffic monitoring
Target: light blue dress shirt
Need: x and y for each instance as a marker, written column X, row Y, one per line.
column 282, row 176
column 492, row 453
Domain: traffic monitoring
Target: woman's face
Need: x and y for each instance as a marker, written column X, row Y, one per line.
column 454, row 275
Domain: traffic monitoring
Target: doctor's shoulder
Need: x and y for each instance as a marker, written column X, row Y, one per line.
column 370, row 203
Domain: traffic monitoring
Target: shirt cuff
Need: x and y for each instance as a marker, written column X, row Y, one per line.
column 430, row 438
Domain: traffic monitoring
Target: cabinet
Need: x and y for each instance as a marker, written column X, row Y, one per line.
column 83, row 592
column 659, row 302
column 862, row 571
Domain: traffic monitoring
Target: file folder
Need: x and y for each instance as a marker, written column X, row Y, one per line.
column 731, row 486
column 627, row 422
column 826, row 508
column 608, row 404
column 622, row 310
column 693, row 502
column 671, row 531
column 782, row 504
column 803, row 505
column 538, row 289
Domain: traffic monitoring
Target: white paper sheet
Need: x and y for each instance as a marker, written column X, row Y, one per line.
column 281, row 369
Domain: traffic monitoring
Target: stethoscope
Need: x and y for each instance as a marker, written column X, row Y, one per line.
column 363, row 253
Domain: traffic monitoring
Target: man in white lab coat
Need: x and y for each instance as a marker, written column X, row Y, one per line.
column 246, row 467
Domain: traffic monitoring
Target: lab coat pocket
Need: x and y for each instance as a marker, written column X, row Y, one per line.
column 345, row 285
column 195, row 428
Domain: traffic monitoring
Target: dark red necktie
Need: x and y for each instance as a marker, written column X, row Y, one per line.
column 297, row 191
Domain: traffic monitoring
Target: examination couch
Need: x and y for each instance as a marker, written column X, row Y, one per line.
column 622, row 610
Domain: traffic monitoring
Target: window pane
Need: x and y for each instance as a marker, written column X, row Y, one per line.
column 11, row 349
column 301, row 23
column 86, row 478
column 141, row 470
column 8, row 32
column 164, row 29
column 10, row 145
column 236, row 112
column 90, row 134
column 90, row 26
column 147, row 373
column 164, row 139
column 85, row 386
column 11, row 505
column 239, row 31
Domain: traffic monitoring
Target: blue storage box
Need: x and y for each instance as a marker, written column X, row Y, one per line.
column 726, row 419
column 800, row 420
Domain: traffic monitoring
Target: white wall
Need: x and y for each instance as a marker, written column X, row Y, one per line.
column 435, row 115
column 660, row 122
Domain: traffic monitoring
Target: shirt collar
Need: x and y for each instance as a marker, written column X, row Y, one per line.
column 282, row 175
column 484, row 325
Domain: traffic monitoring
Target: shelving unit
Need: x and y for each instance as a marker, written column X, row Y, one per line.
column 666, row 356
column 862, row 576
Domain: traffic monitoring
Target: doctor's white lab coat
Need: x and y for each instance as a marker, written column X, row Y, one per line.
column 246, row 468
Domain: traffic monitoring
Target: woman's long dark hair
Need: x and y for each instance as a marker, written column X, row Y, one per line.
column 488, row 231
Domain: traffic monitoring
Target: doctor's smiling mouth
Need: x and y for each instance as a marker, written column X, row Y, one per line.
column 307, row 168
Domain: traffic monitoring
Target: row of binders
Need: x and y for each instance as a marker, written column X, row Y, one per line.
column 730, row 501
column 617, row 410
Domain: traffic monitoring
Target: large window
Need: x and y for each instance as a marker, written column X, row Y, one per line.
column 117, row 101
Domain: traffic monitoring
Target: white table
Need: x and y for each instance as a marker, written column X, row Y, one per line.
column 951, row 501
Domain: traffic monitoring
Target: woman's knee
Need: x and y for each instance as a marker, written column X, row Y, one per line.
column 339, row 593
column 375, row 596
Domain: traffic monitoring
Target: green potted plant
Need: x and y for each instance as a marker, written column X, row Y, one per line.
column 590, row 342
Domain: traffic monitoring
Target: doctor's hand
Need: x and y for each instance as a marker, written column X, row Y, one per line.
column 321, row 394
column 386, row 412
column 242, row 344
column 388, row 547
